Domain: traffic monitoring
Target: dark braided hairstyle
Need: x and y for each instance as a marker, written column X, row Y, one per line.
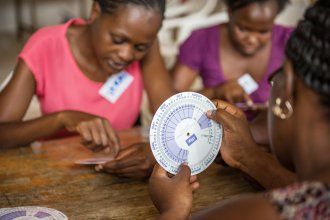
column 309, row 50
column 234, row 5
column 110, row 6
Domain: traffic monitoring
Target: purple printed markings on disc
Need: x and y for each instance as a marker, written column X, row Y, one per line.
column 176, row 152
column 191, row 139
column 183, row 155
column 172, row 146
column 41, row 214
column 31, row 212
column 13, row 215
column 190, row 111
column 204, row 122
column 184, row 112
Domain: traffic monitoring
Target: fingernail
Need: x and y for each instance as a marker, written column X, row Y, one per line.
column 249, row 103
column 107, row 150
column 209, row 113
column 98, row 167
column 185, row 163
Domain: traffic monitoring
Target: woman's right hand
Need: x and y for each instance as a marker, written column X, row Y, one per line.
column 173, row 196
column 97, row 133
column 238, row 143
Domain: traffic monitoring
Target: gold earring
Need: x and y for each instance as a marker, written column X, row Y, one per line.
column 278, row 110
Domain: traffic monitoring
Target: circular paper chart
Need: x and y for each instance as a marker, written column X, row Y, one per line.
column 180, row 132
column 31, row 213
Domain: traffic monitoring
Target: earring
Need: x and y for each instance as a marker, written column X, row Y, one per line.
column 278, row 110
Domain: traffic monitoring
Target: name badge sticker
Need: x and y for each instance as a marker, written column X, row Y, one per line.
column 115, row 86
column 248, row 83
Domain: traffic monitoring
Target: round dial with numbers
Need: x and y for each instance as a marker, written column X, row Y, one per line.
column 180, row 132
column 31, row 213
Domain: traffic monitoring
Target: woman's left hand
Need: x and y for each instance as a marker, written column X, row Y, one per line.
column 173, row 195
column 135, row 161
column 238, row 141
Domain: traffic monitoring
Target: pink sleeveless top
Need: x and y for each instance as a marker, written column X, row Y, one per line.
column 61, row 85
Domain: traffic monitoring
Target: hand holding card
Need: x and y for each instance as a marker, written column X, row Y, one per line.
column 254, row 107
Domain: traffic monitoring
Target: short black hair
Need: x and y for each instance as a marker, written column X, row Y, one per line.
column 309, row 49
column 110, row 6
column 234, row 5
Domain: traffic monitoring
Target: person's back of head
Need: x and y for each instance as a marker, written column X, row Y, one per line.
column 309, row 50
column 303, row 92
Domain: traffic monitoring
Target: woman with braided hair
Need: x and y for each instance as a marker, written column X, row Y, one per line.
column 299, row 124
column 89, row 78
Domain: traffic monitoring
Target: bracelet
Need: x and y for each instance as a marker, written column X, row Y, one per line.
column 248, row 84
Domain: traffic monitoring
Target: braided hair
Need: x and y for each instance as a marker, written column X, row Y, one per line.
column 234, row 5
column 309, row 50
column 110, row 6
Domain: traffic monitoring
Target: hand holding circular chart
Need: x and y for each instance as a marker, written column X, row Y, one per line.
column 180, row 132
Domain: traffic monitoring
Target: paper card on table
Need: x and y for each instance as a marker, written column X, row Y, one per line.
column 94, row 160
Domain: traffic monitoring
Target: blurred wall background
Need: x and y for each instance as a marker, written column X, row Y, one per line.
column 48, row 12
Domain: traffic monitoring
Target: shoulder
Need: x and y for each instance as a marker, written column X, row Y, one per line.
column 46, row 36
column 200, row 40
column 204, row 33
column 49, row 32
column 281, row 33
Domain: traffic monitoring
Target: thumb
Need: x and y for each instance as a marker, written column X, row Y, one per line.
column 184, row 172
column 222, row 117
column 248, row 99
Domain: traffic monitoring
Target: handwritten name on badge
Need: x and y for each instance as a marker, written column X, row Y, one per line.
column 115, row 86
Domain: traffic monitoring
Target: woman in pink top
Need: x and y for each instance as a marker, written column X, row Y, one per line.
column 89, row 77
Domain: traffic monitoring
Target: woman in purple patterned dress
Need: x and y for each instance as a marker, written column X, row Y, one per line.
column 249, row 43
